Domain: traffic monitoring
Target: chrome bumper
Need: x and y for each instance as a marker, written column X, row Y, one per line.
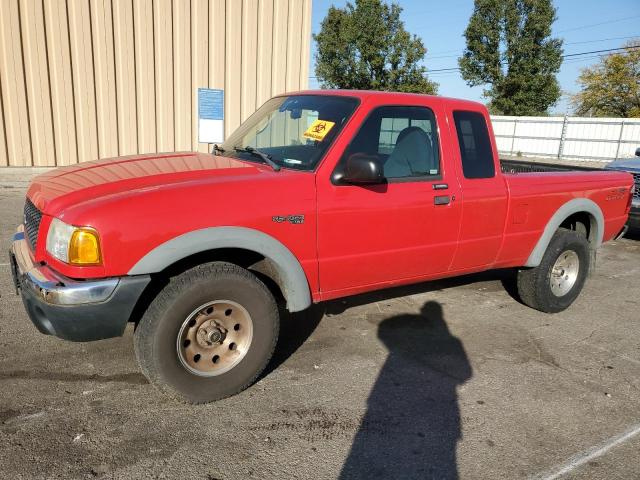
column 75, row 310
column 49, row 285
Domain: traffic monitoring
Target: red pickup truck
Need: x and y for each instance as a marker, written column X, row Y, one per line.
column 318, row 195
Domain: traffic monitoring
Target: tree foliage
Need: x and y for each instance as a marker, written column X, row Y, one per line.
column 365, row 46
column 510, row 49
column 611, row 88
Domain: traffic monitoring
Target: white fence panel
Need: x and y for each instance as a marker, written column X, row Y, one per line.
column 588, row 138
column 534, row 135
column 573, row 138
column 630, row 138
column 504, row 129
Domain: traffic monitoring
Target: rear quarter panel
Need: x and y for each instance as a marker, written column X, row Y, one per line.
column 535, row 197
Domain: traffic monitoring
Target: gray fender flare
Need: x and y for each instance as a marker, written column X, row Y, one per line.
column 293, row 279
column 577, row 205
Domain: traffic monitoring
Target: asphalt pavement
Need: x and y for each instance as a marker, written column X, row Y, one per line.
column 448, row 379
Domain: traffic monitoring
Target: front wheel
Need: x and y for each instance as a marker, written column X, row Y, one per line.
column 208, row 334
column 554, row 284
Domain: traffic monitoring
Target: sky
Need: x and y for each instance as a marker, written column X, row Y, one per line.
column 585, row 26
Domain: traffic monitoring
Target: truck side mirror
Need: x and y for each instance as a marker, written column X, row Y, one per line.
column 363, row 169
column 638, row 152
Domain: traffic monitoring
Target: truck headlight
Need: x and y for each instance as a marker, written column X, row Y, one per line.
column 73, row 245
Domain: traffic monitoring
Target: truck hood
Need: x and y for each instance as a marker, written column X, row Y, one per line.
column 65, row 186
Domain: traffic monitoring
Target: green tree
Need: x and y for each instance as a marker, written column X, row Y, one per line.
column 611, row 88
column 365, row 46
column 510, row 49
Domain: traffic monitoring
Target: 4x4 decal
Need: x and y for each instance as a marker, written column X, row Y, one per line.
column 294, row 219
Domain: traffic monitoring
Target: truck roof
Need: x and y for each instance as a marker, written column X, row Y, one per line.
column 364, row 94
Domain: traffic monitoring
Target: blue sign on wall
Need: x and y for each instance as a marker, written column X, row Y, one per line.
column 210, row 104
column 210, row 115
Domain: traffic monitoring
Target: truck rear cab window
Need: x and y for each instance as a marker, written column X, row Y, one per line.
column 475, row 145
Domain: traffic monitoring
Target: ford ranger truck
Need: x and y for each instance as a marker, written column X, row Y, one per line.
column 318, row 195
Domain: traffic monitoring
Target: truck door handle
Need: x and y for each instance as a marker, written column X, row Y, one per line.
column 440, row 186
column 441, row 200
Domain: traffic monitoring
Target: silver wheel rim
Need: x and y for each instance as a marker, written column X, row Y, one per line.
column 564, row 273
column 214, row 338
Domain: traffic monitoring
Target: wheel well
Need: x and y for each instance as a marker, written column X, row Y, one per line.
column 579, row 214
column 259, row 265
column 582, row 222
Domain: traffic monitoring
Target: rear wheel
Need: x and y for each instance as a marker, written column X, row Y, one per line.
column 208, row 334
column 554, row 284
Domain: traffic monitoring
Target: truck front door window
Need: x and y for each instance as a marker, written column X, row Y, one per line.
column 402, row 139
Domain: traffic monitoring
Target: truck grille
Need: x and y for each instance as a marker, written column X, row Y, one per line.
column 32, row 218
column 636, row 179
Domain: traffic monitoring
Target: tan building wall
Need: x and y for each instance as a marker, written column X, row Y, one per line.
column 86, row 79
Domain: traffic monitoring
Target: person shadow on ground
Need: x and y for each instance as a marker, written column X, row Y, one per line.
column 412, row 424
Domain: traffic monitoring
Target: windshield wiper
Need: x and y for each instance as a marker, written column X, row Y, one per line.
column 257, row 153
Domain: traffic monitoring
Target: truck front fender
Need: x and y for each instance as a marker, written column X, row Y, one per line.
column 294, row 285
column 577, row 205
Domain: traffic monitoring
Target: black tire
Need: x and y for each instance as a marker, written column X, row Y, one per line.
column 534, row 284
column 157, row 332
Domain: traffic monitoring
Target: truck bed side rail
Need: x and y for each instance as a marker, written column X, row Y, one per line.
column 521, row 166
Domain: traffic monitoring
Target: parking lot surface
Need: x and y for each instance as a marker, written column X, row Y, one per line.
column 448, row 379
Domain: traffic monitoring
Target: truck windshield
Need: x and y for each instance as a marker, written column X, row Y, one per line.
column 293, row 131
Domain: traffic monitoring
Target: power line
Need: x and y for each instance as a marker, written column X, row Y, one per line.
column 571, row 56
column 601, row 51
column 443, row 69
column 633, row 47
column 580, row 59
column 580, row 27
column 598, row 24
column 429, row 57
column 603, row 40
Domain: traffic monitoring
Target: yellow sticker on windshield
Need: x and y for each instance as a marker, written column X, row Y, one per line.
column 319, row 129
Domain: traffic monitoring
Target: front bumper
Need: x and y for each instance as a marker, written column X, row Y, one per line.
column 77, row 310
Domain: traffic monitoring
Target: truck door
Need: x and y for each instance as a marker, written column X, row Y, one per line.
column 406, row 228
column 484, row 192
